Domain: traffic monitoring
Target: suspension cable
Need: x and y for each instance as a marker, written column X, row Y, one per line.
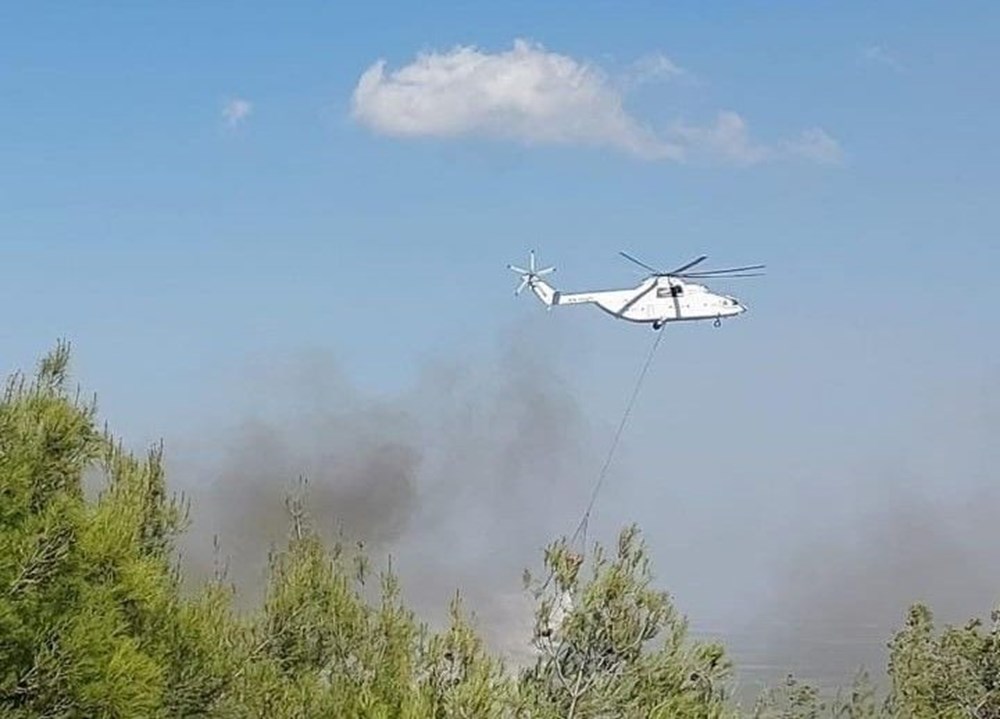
column 581, row 529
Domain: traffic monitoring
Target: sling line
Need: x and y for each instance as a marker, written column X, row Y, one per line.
column 581, row 529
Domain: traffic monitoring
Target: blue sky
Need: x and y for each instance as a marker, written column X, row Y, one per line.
column 178, row 249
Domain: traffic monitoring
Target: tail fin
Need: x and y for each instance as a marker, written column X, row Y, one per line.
column 545, row 292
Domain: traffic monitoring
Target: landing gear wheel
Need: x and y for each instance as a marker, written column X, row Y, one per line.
column 658, row 325
column 718, row 322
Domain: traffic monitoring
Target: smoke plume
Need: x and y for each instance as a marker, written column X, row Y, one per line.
column 843, row 591
column 465, row 475
column 463, row 478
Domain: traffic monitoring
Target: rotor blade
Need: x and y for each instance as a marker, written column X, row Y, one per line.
column 519, row 270
column 747, row 268
column 641, row 264
column 520, row 287
column 546, row 271
column 720, row 277
column 531, row 261
column 688, row 266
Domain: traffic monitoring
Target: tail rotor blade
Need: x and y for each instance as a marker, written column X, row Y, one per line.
column 530, row 275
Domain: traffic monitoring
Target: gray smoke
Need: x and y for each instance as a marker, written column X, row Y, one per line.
column 462, row 478
column 928, row 534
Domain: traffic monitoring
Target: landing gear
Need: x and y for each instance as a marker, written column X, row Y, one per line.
column 658, row 325
column 718, row 322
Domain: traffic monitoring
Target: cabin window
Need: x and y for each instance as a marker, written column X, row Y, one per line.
column 673, row 291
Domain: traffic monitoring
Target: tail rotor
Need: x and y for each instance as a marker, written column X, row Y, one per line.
column 530, row 275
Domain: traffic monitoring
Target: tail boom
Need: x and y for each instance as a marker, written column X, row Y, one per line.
column 545, row 292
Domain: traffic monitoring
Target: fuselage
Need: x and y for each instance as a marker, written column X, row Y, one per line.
column 657, row 299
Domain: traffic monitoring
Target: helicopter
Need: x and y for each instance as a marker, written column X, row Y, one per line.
column 660, row 298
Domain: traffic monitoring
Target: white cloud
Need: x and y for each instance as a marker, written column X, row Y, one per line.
column 235, row 111
column 525, row 94
column 655, row 67
column 816, row 145
column 531, row 95
column 879, row 55
column 728, row 140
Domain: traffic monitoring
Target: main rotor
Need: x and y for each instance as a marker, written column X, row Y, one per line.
column 683, row 272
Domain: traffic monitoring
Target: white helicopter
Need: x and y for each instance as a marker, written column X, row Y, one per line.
column 661, row 297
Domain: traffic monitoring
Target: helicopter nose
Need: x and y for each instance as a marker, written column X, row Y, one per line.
column 738, row 307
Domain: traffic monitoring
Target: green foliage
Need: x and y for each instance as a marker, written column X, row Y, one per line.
column 614, row 646
column 461, row 679
column 320, row 648
column 93, row 622
column 954, row 674
column 799, row 700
